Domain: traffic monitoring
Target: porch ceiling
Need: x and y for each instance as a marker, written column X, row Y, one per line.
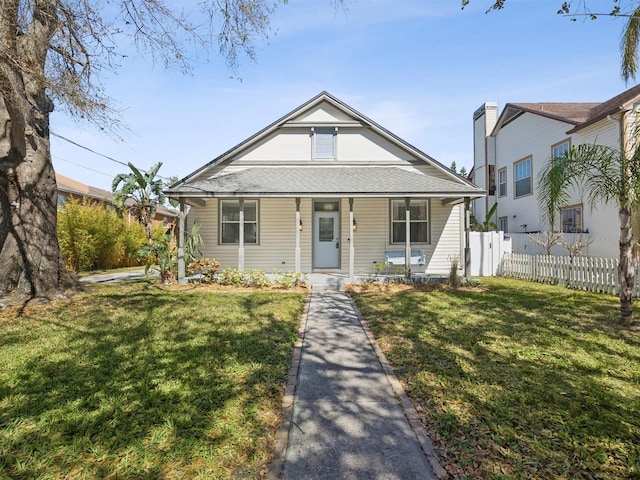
column 307, row 181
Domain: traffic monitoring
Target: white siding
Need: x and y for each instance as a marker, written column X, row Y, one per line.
column 527, row 136
column 354, row 145
column 533, row 135
column 323, row 113
column 484, row 121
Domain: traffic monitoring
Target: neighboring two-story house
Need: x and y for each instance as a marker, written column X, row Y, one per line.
column 512, row 147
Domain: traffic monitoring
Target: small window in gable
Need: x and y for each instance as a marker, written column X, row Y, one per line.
column 324, row 143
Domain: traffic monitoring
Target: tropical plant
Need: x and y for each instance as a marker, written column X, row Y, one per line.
column 607, row 175
column 161, row 252
column 144, row 190
column 193, row 244
column 487, row 224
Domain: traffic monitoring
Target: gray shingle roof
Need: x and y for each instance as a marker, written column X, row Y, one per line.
column 313, row 180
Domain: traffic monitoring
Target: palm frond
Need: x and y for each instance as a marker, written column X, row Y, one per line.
column 629, row 46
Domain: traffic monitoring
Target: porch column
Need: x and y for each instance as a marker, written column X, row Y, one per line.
column 241, row 237
column 181, row 226
column 352, row 259
column 467, row 247
column 407, row 250
column 298, row 225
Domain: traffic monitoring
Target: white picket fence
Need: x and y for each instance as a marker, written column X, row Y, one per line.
column 586, row 273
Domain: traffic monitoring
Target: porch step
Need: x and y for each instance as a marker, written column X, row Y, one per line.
column 328, row 281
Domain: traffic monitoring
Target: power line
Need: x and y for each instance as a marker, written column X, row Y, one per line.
column 99, row 154
column 82, row 166
column 88, row 149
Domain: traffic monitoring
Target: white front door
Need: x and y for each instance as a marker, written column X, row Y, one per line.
column 326, row 239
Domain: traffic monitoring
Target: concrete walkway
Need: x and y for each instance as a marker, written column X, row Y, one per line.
column 350, row 418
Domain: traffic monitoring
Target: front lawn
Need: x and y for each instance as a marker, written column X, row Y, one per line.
column 133, row 381
column 517, row 379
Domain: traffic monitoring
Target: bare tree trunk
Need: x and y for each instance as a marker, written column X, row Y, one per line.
column 626, row 268
column 30, row 261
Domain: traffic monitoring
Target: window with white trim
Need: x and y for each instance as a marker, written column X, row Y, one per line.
column 502, row 182
column 324, row 143
column 230, row 221
column 522, row 178
column 503, row 224
column 419, row 220
column 559, row 149
column 571, row 219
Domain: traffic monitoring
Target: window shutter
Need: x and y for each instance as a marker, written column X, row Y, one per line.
column 324, row 145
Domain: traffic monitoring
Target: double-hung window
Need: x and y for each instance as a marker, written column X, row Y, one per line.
column 571, row 218
column 522, row 178
column 324, row 143
column 230, row 221
column 559, row 149
column 419, row 221
column 502, row 182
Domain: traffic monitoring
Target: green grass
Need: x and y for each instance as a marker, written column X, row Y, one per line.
column 132, row 381
column 521, row 380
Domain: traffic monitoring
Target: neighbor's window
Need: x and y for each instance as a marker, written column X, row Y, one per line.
column 502, row 182
column 559, row 149
column 230, row 221
column 324, row 143
column 503, row 225
column 62, row 199
column 419, row 214
column 571, row 219
column 522, row 178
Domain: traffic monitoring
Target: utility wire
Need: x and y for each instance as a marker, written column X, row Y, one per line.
column 82, row 166
column 99, row 154
column 87, row 148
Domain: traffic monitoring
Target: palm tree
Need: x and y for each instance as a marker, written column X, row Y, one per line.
column 145, row 191
column 607, row 175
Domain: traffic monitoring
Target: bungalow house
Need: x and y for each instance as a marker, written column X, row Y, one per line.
column 325, row 189
column 513, row 146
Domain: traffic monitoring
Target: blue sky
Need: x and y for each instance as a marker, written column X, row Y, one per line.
column 419, row 68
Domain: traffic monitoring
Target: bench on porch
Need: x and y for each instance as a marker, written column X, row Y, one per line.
column 396, row 257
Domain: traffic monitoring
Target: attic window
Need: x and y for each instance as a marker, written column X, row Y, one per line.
column 324, row 143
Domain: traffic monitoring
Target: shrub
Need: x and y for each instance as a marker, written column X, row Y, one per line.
column 93, row 236
column 289, row 279
column 205, row 268
column 257, row 279
column 231, row 276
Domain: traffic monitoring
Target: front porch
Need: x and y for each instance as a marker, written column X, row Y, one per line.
column 344, row 237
